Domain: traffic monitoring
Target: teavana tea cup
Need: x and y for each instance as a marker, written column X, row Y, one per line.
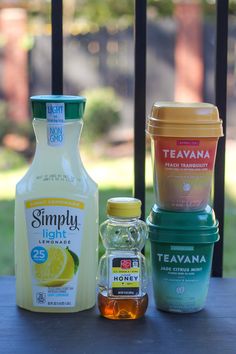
column 181, row 251
column 184, row 139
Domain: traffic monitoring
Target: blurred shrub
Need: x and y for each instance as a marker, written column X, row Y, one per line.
column 5, row 124
column 102, row 111
column 10, row 159
column 25, row 129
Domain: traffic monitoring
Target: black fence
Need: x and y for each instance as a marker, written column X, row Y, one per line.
column 140, row 101
column 220, row 101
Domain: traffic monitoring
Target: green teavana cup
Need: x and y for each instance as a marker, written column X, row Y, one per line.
column 181, row 250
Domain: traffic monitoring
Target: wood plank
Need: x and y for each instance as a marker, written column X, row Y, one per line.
column 213, row 330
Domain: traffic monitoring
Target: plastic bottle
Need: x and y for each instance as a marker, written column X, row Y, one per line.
column 122, row 275
column 56, row 214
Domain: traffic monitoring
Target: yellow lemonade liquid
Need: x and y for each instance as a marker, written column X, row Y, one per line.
column 56, row 227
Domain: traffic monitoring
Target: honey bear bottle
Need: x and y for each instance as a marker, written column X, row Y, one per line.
column 122, row 274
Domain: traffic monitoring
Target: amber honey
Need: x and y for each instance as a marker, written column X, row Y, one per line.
column 118, row 309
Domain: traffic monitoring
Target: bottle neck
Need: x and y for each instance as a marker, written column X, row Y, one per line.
column 71, row 135
column 122, row 219
column 64, row 158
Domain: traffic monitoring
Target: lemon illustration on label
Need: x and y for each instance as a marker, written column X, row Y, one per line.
column 58, row 269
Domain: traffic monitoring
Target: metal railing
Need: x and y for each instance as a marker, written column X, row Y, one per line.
column 220, row 101
column 140, row 101
column 57, row 46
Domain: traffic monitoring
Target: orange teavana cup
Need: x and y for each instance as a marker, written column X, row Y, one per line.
column 184, row 140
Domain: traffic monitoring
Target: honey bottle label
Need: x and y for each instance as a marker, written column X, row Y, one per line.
column 124, row 276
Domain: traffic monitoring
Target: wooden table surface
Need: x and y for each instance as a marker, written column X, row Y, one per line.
column 211, row 331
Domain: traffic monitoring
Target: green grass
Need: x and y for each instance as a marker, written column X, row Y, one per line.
column 6, row 237
column 114, row 177
column 229, row 264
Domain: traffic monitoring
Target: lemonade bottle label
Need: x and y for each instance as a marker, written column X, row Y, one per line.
column 55, row 123
column 55, row 230
column 124, row 276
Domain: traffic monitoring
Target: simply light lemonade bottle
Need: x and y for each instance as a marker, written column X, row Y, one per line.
column 56, row 214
